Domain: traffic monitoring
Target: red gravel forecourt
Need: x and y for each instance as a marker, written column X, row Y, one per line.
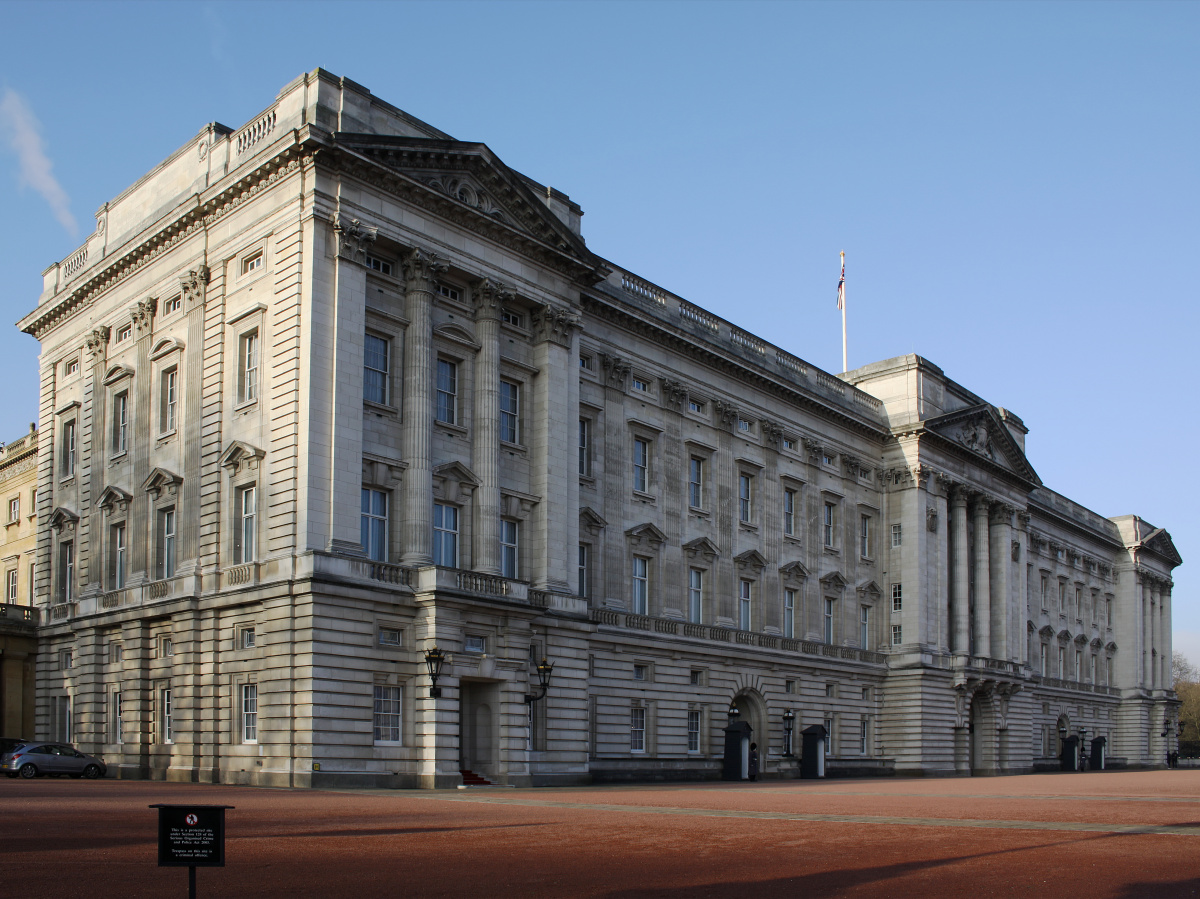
column 1103, row 834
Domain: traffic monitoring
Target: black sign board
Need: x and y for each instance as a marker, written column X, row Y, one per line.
column 191, row 836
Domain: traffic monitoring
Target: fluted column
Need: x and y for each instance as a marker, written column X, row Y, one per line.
column 488, row 296
column 420, row 269
column 1000, row 537
column 1144, row 589
column 1156, row 626
column 960, row 583
column 983, row 576
column 1164, row 611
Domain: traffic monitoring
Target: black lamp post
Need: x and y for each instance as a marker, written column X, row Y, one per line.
column 434, row 658
column 733, row 714
column 544, row 670
column 789, row 722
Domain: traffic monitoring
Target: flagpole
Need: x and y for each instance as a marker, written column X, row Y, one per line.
column 845, row 367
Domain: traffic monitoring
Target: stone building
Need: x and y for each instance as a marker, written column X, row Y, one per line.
column 332, row 389
column 18, row 617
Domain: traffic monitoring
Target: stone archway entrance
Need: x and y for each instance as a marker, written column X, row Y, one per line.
column 479, row 728
column 752, row 709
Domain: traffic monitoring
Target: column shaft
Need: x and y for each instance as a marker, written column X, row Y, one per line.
column 960, row 583
column 1001, row 569
column 1156, row 625
column 417, row 432
column 1147, row 633
column 486, row 427
column 983, row 575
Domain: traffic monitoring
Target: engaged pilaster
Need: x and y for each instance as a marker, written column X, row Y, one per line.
column 983, row 575
column 420, row 270
column 1001, row 559
column 1144, row 593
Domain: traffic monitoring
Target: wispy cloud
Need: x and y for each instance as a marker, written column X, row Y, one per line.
column 36, row 169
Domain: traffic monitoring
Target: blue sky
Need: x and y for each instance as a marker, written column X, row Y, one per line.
column 1015, row 185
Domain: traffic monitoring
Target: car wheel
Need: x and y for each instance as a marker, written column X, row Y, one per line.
column 28, row 771
column 91, row 772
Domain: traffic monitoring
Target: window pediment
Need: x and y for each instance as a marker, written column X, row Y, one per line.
column 793, row 571
column 63, row 517
column 453, row 482
column 591, row 521
column 870, row 588
column 117, row 373
column 750, row 560
column 159, row 480
column 165, row 348
column 646, row 535
column 834, row 581
column 238, row 455
column 702, row 548
column 113, row 498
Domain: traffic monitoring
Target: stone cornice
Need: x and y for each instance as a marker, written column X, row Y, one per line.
column 180, row 225
column 674, row 339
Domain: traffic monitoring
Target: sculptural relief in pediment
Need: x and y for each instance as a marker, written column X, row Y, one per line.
column 980, row 431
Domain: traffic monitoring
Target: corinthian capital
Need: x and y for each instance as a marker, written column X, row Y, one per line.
column 489, row 296
column 97, row 342
column 353, row 239
column 555, row 324
column 421, row 269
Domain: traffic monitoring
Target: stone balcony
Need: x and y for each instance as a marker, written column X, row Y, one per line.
column 673, row 627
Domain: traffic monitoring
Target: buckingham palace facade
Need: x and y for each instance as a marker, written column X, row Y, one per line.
column 333, row 389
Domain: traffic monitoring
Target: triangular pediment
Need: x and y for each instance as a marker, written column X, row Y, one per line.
column 834, row 580
column 869, row 588
column 111, row 497
column 793, row 571
column 62, row 517
column 239, row 453
column 1047, row 631
column 751, row 558
column 702, row 547
column 465, row 182
column 160, row 479
column 646, row 533
column 1160, row 543
column 591, row 521
column 456, row 471
column 980, row 431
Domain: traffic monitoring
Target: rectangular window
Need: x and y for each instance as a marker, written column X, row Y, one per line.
column 168, row 400
column 789, row 613
column 71, row 367
column 252, row 263
column 387, row 714
column 14, row 509
column 374, row 524
column 745, row 488
column 585, row 362
column 248, row 639
column 509, row 556
column 509, row 317
column 585, row 579
column 641, row 672
column 32, row 581
column 165, row 550
column 641, row 386
column 475, row 643
column 165, row 727
column 68, row 449
column 1078, row 672
column 693, row 731
column 445, row 535
column 1093, row 678
column 789, row 512
column 696, row 482
column 827, row 525
column 862, row 737
column 897, row 535
column 1062, row 596
column 897, row 597
column 118, row 556
column 124, row 333
column 244, row 531
column 172, row 305
column 1062, row 663
column 864, row 536
column 390, row 636
column 248, row 367
column 116, row 732
column 447, row 392
column 585, row 447
column 829, row 736
column 120, row 423
column 637, row 730
column 695, row 595
column 641, row 465
column 696, row 407
column 10, row 586
column 510, row 415
column 1042, row 660
column 897, row 635
column 1108, row 611
column 450, row 293
column 66, row 571
column 743, row 426
column 864, row 627
column 829, row 621
column 745, row 594
column 376, row 352
column 1045, row 591
column 384, row 268
column 249, row 708
column 1078, row 603
column 166, row 648
column 641, row 585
